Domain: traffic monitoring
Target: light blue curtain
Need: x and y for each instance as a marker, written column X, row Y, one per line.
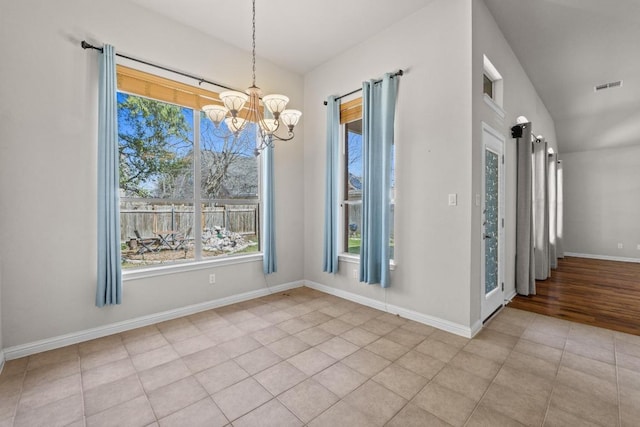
column 331, row 205
column 109, row 289
column 269, row 234
column 378, row 116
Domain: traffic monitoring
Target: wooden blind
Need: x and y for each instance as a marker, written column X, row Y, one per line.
column 144, row 84
column 350, row 111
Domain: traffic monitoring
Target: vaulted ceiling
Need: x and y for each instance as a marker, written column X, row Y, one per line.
column 566, row 47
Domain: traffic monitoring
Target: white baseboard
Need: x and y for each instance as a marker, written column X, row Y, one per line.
column 454, row 328
column 511, row 296
column 603, row 257
column 1, row 361
column 28, row 349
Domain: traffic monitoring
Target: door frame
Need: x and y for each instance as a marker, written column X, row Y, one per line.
column 496, row 298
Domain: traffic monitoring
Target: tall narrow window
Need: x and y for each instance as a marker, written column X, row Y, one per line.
column 487, row 86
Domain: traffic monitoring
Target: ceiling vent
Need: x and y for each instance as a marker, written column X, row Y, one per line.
column 607, row 86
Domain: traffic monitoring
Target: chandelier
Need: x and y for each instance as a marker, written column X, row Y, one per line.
column 240, row 108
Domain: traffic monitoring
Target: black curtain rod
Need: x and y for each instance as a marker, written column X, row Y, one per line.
column 200, row 80
column 397, row 73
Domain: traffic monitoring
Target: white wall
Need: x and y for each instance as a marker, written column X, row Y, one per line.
column 48, row 164
column 433, row 158
column 520, row 98
column 602, row 202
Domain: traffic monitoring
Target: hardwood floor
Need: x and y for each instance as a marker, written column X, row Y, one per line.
column 594, row 292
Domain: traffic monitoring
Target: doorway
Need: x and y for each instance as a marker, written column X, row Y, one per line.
column 492, row 221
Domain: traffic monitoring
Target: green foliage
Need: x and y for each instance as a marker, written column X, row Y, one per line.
column 153, row 140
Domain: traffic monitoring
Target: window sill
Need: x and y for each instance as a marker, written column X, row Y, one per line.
column 494, row 106
column 164, row 270
column 355, row 259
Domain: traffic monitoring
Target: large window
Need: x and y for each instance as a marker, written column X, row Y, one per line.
column 185, row 193
column 352, row 189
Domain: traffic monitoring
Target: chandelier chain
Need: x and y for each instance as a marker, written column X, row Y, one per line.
column 254, row 43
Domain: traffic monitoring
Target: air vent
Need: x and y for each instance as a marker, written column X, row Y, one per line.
column 607, row 86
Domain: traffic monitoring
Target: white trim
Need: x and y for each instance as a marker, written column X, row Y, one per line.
column 355, row 259
column 494, row 106
column 603, row 257
column 1, row 361
column 163, row 270
column 446, row 325
column 511, row 296
column 28, row 349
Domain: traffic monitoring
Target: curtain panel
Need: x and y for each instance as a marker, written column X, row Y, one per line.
column 269, row 237
column 553, row 210
column 525, row 261
column 378, row 117
column 541, row 209
column 332, row 192
column 109, row 286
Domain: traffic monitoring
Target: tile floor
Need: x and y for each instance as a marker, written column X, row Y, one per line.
column 307, row 358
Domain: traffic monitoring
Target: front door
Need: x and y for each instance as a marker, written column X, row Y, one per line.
column 492, row 220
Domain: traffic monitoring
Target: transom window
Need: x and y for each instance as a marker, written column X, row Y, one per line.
column 185, row 195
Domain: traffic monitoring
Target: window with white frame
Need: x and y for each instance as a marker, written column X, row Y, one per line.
column 185, row 194
column 351, row 184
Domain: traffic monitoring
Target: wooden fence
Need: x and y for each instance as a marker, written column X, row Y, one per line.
column 150, row 218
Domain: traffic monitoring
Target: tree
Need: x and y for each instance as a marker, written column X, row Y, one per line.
column 153, row 140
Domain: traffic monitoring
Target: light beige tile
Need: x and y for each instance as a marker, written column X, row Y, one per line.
column 404, row 337
column 437, row 349
column 257, row 360
column 376, row 401
column 63, row 354
column 451, row 339
column 628, row 362
column 241, row 398
column 592, row 352
column 280, row 377
column 298, row 310
column 58, row 413
column 132, row 413
column 225, row 333
column 253, row 325
column 356, row 318
column 336, row 326
column 145, row 343
column 401, row 381
column 139, row 333
column 204, row 413
column 315, row 318
column 446, row 404
column 99, row 344
column 550, row 340
column 388, row 349
column 340, row 379
column 49, row 392
column 341, row 414
column 394, row 319
column 268, row 335
column 111, row 394
column 221, row 376
column 51, row 372
column 193, row 345
column 462, row 382
column 107, row 373
column 162, row 375
column 13, row 367
column 487, row 350
column 628, row 379
column 314, row 336
column 532, row 365
column 359, row 336
column 206, row 325
column 154, row 358
column 378, row 327
column 628, row 348
column 238, row 346
column 584, row 405
column 288, row 346
column 487, row 417
column 506, row 327
column 413, row 416
column 418, row 328
column 493, row 337
column 421, row 364
column 307, row 400
column 338, row 348
column 175, row 396
column 311, row 361
column 277, row 316
column 366, row 362
column 102, row 357
column 556, row 417
column 529, row 409
column 524, row 382
column 236, row 316
column 294, row 325
column 205, row 359
column 538, row 350
column 334, row 310
column 591, row 336
column 550, row 326
column 271, row 414
column 589, row 366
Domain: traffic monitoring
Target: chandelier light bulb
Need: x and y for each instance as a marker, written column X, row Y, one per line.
column 215, row 113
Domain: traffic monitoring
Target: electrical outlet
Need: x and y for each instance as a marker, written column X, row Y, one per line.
column 620, row 246
column 212, row 279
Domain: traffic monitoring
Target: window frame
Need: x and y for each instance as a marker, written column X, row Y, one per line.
column 144, row 84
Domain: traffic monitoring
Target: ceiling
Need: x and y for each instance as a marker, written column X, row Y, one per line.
column 565, row 46
column 569, row 46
